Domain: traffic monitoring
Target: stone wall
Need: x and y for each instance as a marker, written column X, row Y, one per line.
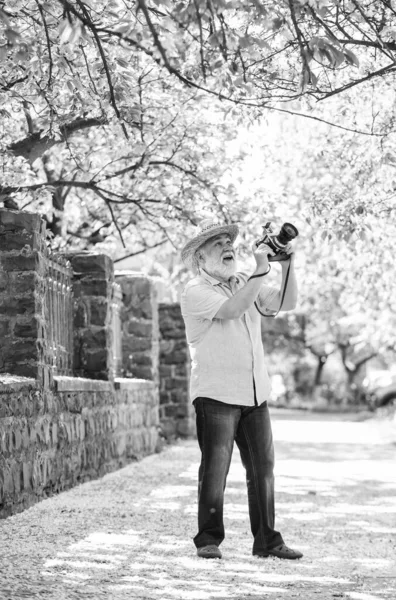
column 176, row 411
column 51, row 440
column 22, row 296
column 57, row 431
column 93, row 279
column 139, row 322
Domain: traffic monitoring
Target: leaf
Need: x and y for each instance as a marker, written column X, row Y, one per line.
column 22, row 53
column 313, row 78
column 165, row 3
column 124, row 27
column 317, row 55
column 238, row 80
column 308, row 54
column 326, row 55
column 77, row 83
column 122, row 62
column 304, row 80
column 322, row 11
column 245, row 41
column 261, row 43
column 339, row 56
column 69, row 33
column 213, row 40
column 4, row 18
column 218, row 63
column 12, row 35
column 3, row 52
column 390, row 32
column 351, row 58
column 4, row 113
column 277, row 23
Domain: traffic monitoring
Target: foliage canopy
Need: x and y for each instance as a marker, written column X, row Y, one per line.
column 116, row 103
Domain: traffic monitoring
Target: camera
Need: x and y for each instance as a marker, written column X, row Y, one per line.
column 277, row 243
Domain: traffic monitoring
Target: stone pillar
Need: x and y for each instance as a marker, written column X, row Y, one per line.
column 93, row 278
column 139, row 320
column 176, row 410
column 23, row 347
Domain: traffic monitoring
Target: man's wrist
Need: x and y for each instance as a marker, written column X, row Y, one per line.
column 289, row 262
column 260, row 271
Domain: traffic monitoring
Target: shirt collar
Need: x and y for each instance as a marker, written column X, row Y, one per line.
column 214, row 281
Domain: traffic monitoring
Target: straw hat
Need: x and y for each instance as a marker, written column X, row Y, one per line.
column 208, row 229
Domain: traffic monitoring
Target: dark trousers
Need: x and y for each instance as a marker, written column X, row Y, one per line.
column 218, row 426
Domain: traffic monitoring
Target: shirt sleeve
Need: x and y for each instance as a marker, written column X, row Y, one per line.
column 202, row 301
column 266, row 294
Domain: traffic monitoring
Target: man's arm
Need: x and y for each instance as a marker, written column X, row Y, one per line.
column 236, row 306
column 290, row 299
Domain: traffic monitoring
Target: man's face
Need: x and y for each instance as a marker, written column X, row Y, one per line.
column 218, row 257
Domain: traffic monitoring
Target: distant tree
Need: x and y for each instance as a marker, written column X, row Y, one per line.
column 339, row 189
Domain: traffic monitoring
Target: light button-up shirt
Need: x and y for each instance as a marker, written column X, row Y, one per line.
column 227, row 355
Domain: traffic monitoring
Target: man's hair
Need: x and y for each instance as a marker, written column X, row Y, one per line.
column 195, row 259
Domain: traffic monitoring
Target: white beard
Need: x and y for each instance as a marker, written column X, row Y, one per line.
column 220, row 270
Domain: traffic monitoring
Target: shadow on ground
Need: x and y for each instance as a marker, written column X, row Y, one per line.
column 129, row 535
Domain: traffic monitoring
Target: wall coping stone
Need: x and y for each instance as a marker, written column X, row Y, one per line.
column 11, row 220
column 16, row 383
column 129, row 273
column 122, row 383
column 81, row 384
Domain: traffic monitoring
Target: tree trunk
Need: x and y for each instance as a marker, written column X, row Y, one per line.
column 319, row 370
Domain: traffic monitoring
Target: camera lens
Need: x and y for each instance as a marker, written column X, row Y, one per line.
column 287, row 233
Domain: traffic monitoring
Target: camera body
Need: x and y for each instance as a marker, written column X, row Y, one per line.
column 278, row 243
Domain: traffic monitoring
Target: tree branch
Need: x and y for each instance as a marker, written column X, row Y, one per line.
column 390, row 68
column 305, row 66
column 157, row 43
column 48, row 42
column 85, row 18
column 10, row 85
column 141, row 251
column 105, row 65
column 34, row 146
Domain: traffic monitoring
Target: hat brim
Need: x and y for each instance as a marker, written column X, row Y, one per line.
column 193, row 245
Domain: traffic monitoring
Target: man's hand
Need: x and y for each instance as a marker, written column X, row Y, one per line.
column 261, row 254
column 290, row 250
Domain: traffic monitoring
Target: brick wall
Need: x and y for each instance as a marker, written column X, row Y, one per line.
column 176, row 411
column 80, row 430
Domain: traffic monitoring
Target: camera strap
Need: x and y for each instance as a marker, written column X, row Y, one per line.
column 282, row 299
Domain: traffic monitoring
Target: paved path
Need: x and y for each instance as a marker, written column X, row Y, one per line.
column 129, row 534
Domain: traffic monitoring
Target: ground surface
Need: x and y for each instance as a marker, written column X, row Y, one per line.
column 129, row 534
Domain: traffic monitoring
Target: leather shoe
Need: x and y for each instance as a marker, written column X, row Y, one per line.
column 211, row 551
column 282, row 551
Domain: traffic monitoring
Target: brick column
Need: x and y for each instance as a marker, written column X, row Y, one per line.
column 23, row 347
column 176, row 410
column 93, row 278
column 139, row 318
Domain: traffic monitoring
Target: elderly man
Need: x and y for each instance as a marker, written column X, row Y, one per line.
column 229, row 383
